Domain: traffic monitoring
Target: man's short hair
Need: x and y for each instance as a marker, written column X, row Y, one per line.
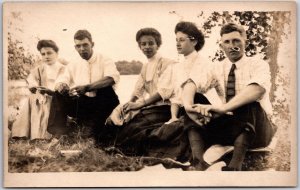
column 81, row 34
column 149, row 32
column 47, row 43
column 192, row 31
column 232, row 27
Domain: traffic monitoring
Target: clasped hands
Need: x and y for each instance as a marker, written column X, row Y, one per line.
column 64, row 89
column 203, row 113
column 132, row 106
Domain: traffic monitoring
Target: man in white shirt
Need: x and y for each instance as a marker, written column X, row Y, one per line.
column 85, row 90
column 243, row 84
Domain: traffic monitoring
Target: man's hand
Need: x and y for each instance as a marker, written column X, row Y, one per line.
column 63, row 88
column 203, row 113
column 78, row 90
column 207, row 110
column 132, row 106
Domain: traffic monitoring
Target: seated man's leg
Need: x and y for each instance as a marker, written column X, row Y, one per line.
column 241, row 144
column 226, row 130
column 198, row 144
column 93, row 111
column 254, row 115
column 60, row 106
column 252, row 129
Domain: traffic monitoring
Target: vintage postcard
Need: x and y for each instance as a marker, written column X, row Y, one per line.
column 149, row 94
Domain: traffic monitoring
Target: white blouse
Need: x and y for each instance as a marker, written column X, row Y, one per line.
column 180, row 73
column 152, row 79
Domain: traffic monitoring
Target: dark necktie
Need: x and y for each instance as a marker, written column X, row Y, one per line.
column 230, row 89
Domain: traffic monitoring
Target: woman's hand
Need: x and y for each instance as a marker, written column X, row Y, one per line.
column 44, row 90
column 132, row 106
column 198, row 118
column 199, row 113
column 32, row 90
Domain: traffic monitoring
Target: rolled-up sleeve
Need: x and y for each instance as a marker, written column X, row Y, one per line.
column 110, row 70
column 260, row 74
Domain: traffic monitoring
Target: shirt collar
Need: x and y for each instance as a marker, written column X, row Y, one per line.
column 92, row 58
column 238, row 64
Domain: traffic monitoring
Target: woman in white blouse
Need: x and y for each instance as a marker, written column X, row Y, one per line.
column 149, row 106
column 33, row 119
column 150, row 81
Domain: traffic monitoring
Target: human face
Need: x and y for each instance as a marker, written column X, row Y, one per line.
column 184, row 44
column 49, row 56
column 148, row 46
column 84, row 48
column 233, row 45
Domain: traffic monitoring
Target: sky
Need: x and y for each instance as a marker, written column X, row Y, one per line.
column 113, row 25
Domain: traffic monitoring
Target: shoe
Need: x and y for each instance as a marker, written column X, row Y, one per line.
column 198, row 167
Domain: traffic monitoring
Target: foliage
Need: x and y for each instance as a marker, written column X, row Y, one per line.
column 20, row 61
column 262, row 28
column 129, row 68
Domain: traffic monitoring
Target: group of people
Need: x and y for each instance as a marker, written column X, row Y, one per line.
column 168, row 114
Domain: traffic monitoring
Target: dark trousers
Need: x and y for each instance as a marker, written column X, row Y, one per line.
column 95, row 110
column 250, row 118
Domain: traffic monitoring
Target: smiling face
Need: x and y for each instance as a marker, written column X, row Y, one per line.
column 49, row 56
column 148, row 46
column 231, row 41
column 184, row 44
column 84, row 48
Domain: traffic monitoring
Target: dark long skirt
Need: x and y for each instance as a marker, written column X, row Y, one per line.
column 148, row 135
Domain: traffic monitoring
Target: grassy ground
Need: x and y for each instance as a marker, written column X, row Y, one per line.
column 46, row 156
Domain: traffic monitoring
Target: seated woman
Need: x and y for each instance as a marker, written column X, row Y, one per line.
column 33, row 119
column 174, row 139
column 154, row 110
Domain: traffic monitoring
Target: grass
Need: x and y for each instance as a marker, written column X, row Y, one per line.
column 45, row 155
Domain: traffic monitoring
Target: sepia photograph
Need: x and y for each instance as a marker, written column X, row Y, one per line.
column 149, row 94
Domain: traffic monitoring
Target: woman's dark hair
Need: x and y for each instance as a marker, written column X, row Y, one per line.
column 192, row 31
column 81, row 34
column 47, row 43
column 149, row 32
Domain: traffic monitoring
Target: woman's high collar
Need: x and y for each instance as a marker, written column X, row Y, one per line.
column 191, row 55
column 154, row 58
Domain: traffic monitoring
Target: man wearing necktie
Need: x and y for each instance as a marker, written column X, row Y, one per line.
column 243, row 84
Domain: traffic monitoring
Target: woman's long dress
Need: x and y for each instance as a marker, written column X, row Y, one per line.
column 33, row 119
